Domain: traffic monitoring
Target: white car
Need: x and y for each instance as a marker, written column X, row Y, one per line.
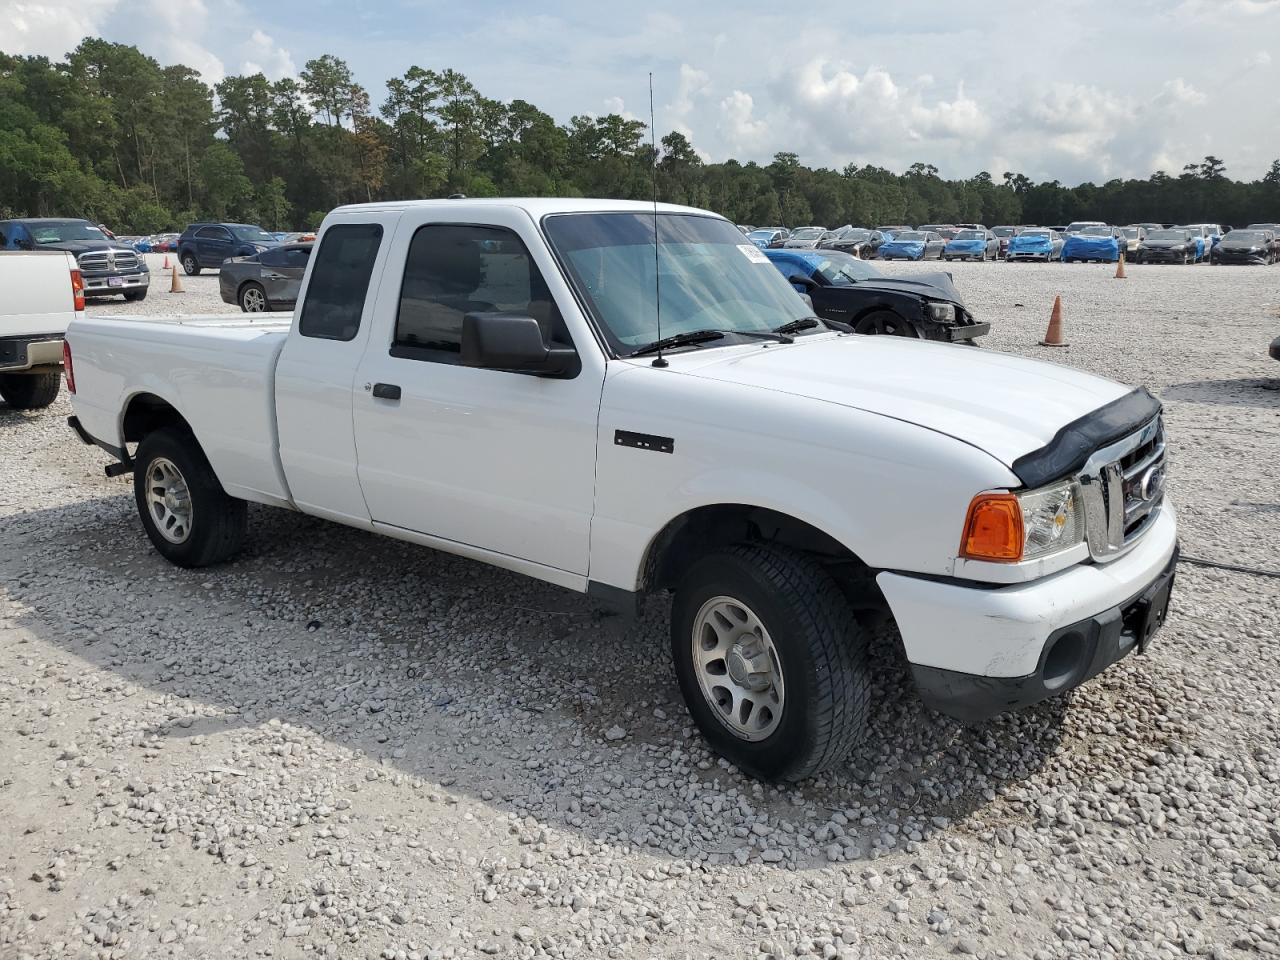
column 43, row 293
column 487, row 377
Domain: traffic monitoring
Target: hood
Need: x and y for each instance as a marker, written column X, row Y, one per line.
column 85, row 246
column 1166, row 244
column 903, row 244
column 1004, row 404
column 967, row 244
column 935, row 286
column 800, row 244
column 1242, row 244
column 1029, row 241
column 1088, row 240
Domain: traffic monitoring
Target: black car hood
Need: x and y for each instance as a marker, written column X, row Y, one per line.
column 1165, row 244
column 1242, row 245
column 85, row 246
column 935, row 286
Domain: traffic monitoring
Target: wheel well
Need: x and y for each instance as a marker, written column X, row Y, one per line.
column 146, row 414
column 694, row 534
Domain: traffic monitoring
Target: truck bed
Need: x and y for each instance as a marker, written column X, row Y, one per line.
column 218, row 370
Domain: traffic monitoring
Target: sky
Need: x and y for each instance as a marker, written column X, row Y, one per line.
column 1068, row 91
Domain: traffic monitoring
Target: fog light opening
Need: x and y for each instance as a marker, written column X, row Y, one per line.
column 1063, row 661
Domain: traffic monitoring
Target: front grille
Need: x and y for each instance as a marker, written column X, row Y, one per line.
column 1123, row 487
column 108, row 261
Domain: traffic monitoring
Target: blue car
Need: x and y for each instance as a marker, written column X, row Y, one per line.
column 1101, row 244
column 913, row 245
column 972, row 245
column 142, row 244
column 1035, row 243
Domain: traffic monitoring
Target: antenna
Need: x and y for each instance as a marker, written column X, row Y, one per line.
column 658, row 361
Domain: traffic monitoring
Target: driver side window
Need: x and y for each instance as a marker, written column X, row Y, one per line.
column 455, row 269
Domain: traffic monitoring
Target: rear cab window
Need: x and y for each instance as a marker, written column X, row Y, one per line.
column 339, row 282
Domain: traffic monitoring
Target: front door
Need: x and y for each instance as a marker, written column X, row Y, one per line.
column 500, row 461
column 213, row 245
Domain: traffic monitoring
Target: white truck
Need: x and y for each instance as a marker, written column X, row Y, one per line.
column 40, row 293
column 487, row 377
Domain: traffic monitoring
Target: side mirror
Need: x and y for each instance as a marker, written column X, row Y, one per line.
column 802, row 282
column 513, row 342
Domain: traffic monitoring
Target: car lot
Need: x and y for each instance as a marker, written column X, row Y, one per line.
column 343, row 745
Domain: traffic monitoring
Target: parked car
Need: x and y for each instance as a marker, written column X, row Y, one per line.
column 807, row 238
column 972, row 245
column 206, row 245
column 43, row 292
column 265, row 281
column 1035, row 243
column 847, row 290
column 858, row 241
column 1004, row 234
column 1131, row 238
column 971, row 499
column 142, row 244
column 1246, row 246
column 945, row 230
column 107, row 266
column 1093, row 243
column 1079, row 226
column 913, row 245
column 766, row 238
column 894, row 230
column 1200, row 235
column 1152, row 226
column 1212, row 232
column 1169, row 246
column 165, row 243
column 1273, row 227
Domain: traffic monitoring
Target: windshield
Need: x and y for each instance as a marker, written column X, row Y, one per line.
column 854, row 233
column 761, row 234
column 1038, row 234
column 841, row 270
column 65, row 232
column 1131, row 232
column 252, row 234
column 1167, row 235
column 806, row 233
column 710, row 279
column 909, row 235
column 1096, row 232
column 1248, row 236
column 1004, row 231
column 971, row 235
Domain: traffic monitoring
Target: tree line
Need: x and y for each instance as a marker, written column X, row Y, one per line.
column 111, row 135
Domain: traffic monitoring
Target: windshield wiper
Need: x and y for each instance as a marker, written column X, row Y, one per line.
column 678, row 340
column 795, row 326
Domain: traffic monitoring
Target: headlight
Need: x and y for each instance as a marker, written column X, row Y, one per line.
column 942, row 312
column 1029, row 525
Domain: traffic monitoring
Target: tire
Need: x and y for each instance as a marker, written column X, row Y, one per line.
column 30, row 391
column 214, row 522
column 816, row 660
column 190, row 265
column 885, row 323
column 253, row 299
column 133, row 296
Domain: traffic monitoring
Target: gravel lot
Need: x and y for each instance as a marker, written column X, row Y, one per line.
column 346, row 746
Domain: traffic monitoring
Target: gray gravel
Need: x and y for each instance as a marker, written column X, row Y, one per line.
column 346, row 746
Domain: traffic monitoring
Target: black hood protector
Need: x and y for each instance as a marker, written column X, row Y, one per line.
column 1072, row 446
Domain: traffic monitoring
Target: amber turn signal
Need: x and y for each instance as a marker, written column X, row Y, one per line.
column 993, row 529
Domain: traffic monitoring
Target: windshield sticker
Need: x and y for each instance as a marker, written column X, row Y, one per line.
column 753, row 253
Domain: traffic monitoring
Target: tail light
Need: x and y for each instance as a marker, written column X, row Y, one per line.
column 67, row 367
column 77, row 290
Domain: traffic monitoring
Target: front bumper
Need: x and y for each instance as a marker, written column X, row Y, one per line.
column 978, row 649
column 1231, row 256
column 26, row 352
column 104, row 284
column 1164, row 255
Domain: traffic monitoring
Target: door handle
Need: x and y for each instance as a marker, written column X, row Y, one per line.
column 275, row 276
column 386, row 391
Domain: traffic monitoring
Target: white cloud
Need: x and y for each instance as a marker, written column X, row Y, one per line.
column 739, row 127
column 263, row 55
column 51, row 27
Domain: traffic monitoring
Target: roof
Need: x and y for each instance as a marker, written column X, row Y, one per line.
column 536, row 207
column 49, row 220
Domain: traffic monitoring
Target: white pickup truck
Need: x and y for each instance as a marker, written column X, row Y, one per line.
column 40, row 293
column 486, row 377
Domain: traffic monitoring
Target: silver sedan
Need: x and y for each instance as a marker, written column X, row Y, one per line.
column 266, row 281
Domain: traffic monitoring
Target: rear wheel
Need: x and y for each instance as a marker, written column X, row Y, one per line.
column 30, row 391
column 770, row 660
column 187, row 515
column 253, row 299
column 190, row 264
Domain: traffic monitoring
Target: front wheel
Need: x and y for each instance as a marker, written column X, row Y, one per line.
column 770, row 660
column 885, row 323
column 187, row 515
column 190, row 264
column 30, row 391
column 133, row 296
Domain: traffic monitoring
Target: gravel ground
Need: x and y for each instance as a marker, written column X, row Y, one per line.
column 346, row 746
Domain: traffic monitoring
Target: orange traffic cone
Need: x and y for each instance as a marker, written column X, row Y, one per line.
column 1053, row 336
column 175, row 286
column 165, row 265
column 1120, row 267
